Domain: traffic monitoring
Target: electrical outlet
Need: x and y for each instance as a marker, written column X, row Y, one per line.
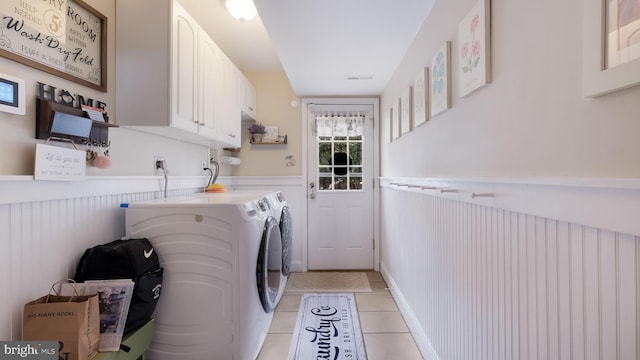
column 203, row 165
column 156, row 167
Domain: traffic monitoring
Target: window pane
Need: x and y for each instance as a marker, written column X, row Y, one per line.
column 340, row 183
column 355, row 183
column 340, row 165
column 340, row 146
column 324, row 154
column 355, row 150
column 324, row 183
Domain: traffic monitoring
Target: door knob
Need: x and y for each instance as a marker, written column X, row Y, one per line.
column 312, row 190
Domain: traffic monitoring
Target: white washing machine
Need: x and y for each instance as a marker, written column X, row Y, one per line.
column 221, row 255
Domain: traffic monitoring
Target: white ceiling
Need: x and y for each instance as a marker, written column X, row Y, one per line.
column 320, row 44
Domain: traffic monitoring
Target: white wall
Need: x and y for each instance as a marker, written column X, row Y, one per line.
column 273, row 100
column 532, row 119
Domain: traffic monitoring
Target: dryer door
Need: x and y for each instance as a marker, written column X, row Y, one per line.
column 269, row 264
column 286, row 232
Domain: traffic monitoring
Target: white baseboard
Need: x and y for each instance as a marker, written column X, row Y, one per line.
column 419, row 336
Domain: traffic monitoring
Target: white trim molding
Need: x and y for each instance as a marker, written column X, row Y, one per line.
column 307, row 103
column 611, row 204
column 20, row 189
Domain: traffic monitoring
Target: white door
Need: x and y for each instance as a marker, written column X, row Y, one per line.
column 340, row 187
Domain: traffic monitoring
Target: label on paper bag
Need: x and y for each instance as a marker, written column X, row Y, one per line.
column 58, row 163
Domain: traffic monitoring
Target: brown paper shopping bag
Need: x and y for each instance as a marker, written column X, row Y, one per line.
column 73, row 321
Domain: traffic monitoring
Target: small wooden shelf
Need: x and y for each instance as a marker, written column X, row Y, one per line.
column 284, row 141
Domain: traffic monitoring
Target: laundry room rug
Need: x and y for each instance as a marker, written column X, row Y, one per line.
column 327, row 328
column 327, row 281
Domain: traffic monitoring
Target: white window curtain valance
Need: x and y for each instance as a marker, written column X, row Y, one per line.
column 328, row 125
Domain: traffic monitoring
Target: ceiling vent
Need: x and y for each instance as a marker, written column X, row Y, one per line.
column 359, row 77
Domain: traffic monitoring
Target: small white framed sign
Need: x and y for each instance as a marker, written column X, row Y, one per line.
column 58, row 163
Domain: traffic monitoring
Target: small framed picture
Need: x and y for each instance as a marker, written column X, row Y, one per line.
column 406, row 110
column 421, row 98
column 474, row 69
column 440, row 88
column 395, row 119
column 271, row 134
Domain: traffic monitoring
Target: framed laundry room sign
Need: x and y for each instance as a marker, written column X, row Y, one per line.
column 66, row 38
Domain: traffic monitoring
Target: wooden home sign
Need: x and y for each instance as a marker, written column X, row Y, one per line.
column 67, row 38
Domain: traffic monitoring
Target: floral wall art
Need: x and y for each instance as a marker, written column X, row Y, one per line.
column 474, row 68
column 440, row 79
column 421, row 97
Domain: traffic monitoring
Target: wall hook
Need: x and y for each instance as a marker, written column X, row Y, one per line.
column 442, row 191
column 476, row 195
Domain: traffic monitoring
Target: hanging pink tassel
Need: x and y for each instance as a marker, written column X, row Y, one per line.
column 102, row 162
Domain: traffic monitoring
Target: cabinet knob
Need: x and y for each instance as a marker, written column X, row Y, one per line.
column 250, row 108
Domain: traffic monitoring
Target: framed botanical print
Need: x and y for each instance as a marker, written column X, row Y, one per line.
column 474, row 48
column 440, row 88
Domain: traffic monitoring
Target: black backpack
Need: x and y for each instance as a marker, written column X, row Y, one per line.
column 132, row 259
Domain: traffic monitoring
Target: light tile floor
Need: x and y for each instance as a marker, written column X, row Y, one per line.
column 386, row 336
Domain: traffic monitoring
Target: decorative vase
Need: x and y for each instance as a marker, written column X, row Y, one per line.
column 257, row 138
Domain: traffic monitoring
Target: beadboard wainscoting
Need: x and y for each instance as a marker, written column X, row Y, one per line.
column 526, row 269
column 46, row 225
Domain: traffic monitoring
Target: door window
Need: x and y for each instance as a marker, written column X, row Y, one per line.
column 339, row 144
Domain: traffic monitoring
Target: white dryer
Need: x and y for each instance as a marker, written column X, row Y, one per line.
column 219, row 284
column 285, row 222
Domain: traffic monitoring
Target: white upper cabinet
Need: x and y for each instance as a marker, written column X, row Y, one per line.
column 171, row 77
column 247, row 94
column 228, row 112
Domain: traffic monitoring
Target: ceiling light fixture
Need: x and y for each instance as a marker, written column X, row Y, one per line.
column 241, row 9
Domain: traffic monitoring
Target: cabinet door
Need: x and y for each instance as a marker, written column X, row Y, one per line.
column 228, row 113
column 209, row 53
column 184, row 70
column 248, row 98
